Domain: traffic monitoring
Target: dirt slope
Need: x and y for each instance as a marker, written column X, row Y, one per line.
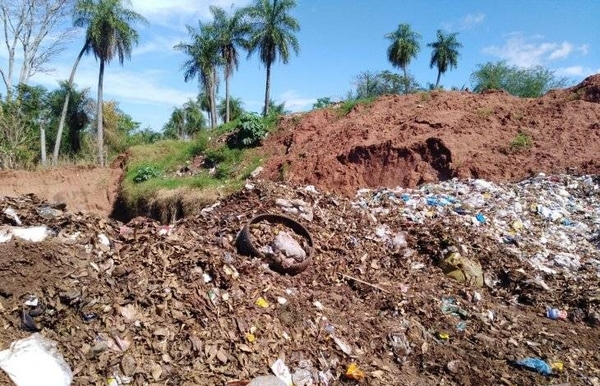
column 410, row 140
column 88, row 189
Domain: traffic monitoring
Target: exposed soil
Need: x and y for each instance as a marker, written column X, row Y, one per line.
column 84, row 188
column 415, row 139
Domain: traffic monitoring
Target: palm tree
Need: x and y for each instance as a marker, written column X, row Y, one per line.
column 233, row 107
column 69, row 87
column 109, row 34
column 272, row 35
column 231, row 31
column 194, row 120
column 404, row 46
column 445, row 53
column 203, row 60
column 76, row 118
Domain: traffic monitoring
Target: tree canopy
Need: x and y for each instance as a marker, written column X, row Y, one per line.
column 272, row 35
column 403, row 48
column 445, row 53
column 522, row 82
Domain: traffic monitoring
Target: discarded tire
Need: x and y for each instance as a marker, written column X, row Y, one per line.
column 245, row 244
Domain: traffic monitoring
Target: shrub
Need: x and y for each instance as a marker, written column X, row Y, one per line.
column 322, row 103
column 251, row 130
column 144, row 173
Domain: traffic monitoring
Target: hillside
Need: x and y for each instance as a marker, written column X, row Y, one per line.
column 435, row 136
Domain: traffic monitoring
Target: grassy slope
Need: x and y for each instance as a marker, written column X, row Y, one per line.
column 169, row 196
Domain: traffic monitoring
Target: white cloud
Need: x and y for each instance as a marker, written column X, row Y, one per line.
column 579, row 71
column 523, row 51
column 466, row 23
column 177, row 13
column 160, row 44
column 123, row 86
column 295, row 102
column 584, row 49
column 472, row 20
column 562, row 51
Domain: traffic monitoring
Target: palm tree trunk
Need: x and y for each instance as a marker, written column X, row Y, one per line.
column 405, row 81
column 212, row 100
column 63, row 114
column 43, row 142
column 437, row 82
column 100, row 132
column 227, row 117
column 267, row 90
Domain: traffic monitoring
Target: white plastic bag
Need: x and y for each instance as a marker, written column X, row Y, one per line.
column 35, row 361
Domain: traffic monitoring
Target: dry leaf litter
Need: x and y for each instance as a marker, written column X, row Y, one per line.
column 453, row 283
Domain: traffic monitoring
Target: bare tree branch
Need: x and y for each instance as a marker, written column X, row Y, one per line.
column 34, row 32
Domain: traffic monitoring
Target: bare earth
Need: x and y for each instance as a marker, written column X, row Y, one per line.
column 89, row 189
column 410, row 140
column 179, row 305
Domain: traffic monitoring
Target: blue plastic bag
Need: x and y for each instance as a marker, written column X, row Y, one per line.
column 535, row 364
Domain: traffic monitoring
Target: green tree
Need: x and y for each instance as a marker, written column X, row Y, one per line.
column 109, row 33
column 185, row 121
column 63, row 115
column 76, row 118
column 118, row 128
column 202, row 62
column 403, row 48
column 370, row 84
column 231, row 31
column 276, row 109
column 272, row 35
column 489, row 76
column 322, row 103
column 23, row 121
column 445, row 53
column 235, row 108
column 144, row 136
column 522, row 82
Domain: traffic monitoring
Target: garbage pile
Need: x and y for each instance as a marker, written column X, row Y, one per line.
column 452, row 283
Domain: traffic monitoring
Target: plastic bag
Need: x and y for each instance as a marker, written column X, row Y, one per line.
column 266, row 380
column 35, row 361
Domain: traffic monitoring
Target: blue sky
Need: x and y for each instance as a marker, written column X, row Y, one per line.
column 340, row 39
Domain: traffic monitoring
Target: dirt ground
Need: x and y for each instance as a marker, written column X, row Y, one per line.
column 149, row 304
column 85, row 188
column 411, row 140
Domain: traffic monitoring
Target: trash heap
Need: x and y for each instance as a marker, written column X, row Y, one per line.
column 452, row 283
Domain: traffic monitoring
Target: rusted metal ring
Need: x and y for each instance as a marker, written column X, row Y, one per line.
column 246, row 246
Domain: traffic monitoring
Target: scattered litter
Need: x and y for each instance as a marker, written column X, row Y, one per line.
column 535, row 364
column 554, row 313
column 34, row 234
column 262, row 302
column 462, row 269
column 282, row 371
column 35, row 361
column 104, row 240
column 12, row 214
column 267, row 380
column 354, row 372
column 189, row 301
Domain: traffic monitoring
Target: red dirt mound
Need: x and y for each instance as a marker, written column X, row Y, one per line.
column 88, row 189
column 435, row 136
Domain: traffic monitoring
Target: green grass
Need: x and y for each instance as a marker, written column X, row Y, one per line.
column 348, row 105
column 232, row 167
column 521, row 142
